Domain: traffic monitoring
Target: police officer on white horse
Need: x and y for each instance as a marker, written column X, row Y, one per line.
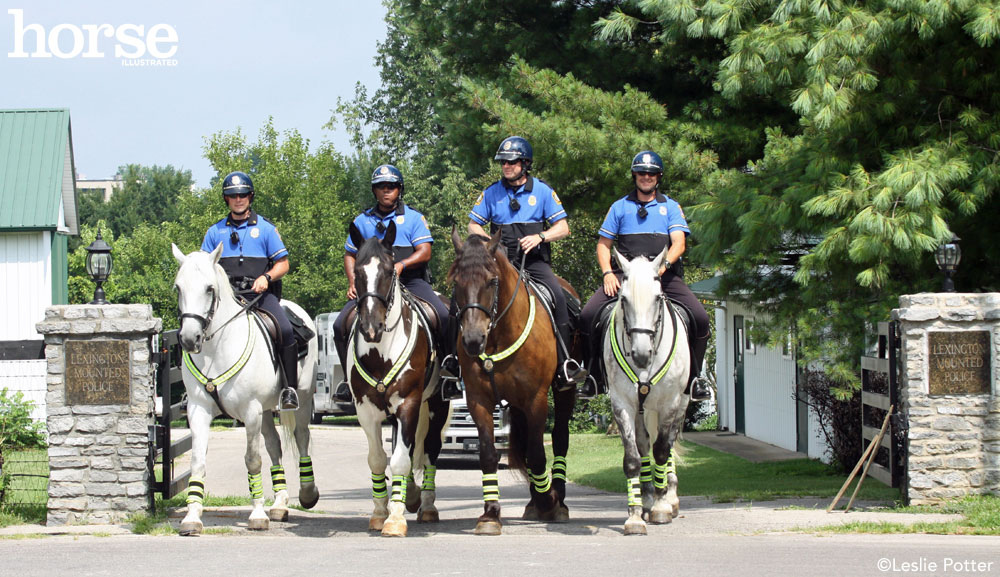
column 642, row 223
column 255, row 258
column 521, row 206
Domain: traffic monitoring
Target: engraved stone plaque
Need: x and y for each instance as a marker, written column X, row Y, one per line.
column 97, row 373
column 959, row 362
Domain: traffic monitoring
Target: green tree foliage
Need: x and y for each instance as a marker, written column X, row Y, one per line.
column 895, row 145
column 17, row 429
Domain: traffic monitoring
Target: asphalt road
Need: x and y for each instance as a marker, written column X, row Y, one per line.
column 748, row 539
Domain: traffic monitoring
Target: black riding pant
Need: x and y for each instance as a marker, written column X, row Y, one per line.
column 271, row 304
column 541, row 271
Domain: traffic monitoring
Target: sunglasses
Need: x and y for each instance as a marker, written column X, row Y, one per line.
column 648, row 173
column 505, row 162
column 387, row 186
column 239, row 195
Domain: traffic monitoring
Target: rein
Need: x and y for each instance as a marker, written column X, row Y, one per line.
column 386, row 301
column 411, row 342
column 642, row 381
column 212, row 384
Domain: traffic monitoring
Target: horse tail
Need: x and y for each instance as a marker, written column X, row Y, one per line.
column 517, row 448
column 290, row 447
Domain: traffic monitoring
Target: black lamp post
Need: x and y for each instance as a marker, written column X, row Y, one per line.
column 99, row 265
column 947, row 256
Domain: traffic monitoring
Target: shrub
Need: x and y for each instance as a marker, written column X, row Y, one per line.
column 839, row 419
column 17, row 429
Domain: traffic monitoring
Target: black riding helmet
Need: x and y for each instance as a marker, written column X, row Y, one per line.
column 515, row 148
column 388, row 173
column 237, row 183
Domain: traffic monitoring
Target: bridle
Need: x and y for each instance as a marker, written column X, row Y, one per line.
column 654, row 333
column 491, row 312
column 387, row 302
column 206, row 320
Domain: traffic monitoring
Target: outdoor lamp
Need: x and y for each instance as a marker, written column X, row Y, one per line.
column 99, row 264
column 947, row 256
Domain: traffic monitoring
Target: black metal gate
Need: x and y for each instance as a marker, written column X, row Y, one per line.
column 879, row 391
column 163, row 448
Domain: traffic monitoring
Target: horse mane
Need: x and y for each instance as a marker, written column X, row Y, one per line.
column 475, row 260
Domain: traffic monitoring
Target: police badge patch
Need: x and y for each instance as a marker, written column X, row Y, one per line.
column 254, row 232
column 555, row 197
column 400, row 219
column 532, row 200
column 663, row 210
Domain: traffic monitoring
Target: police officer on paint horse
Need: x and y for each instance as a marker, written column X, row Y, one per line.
column 411, row 253
column 642, row 223
column 521, row 206
column 255, row 258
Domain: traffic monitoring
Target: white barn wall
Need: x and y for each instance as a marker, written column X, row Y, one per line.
column 26, row 277
column 28, row 377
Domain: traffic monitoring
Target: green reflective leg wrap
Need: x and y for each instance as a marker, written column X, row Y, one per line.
column 660, row 476
column 399, row 488
column 278, row 478
column 378, row 486
column 671, row 466
column 540, row 482
column 646, row 472
column 634, row 488
column 306, row 470
column 256, row 481
column 196, row 490
column 559, row 469
column 428, row 484
column 491, row 487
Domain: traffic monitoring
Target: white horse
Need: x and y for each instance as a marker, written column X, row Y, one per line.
column 226, row 351
column 647, row 358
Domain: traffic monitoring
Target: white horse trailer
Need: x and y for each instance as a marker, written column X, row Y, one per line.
column 329, row 372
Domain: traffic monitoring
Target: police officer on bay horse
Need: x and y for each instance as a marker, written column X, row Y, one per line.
column 255, row 258
column 521, row 205
column 411, row 253
column 642, row 223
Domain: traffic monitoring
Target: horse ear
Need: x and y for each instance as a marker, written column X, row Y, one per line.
column 390, row 235
column 456, row 239
column 180, row 256
column 622, row 261
column 216, row 254
column 357, row 239
column 494, row 241
column 658, row 261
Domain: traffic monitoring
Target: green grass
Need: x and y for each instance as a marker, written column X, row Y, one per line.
column 981, row 517
column 26, row 487
column 595, row 461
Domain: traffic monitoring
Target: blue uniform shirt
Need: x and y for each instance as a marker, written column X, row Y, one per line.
column 258, row 245
column 637, row 236
column 411, row 231
column 539, row 206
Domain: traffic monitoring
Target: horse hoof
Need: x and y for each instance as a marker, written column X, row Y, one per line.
column 660, row 516
column 487, row 528
column 675, row 509
column 430, row 516
column 560, row 514
column 394, row 528
column 531, row 513
column 635, row 528
column 308, row 497
column 376, row 523
column 276, row 514
column 191, row 529
column 260, row 524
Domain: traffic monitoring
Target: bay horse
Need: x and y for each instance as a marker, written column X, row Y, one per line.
column 393, row 371
column 647, row 359
column 508, row 353
column 227, row 368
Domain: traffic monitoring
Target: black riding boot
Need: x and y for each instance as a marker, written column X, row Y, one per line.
column 590, row 387
column 698, row 386
column 342, row 392
column 451, row 371
column 289, row 400
column 569, row 373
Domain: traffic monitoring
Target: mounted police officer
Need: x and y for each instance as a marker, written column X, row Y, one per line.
column 530, row 216
column 642, row 223
column 255, row 258
column 411, row 253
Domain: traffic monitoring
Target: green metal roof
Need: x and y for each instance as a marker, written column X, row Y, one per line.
column 37, row 177
column 705, row 289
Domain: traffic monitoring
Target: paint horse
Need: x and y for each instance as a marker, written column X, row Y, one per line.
column 647, row 360
column 508, row 353
column 228, row 370
column 393, row 371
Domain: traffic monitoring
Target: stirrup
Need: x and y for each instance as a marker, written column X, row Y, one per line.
column 342, row 394
column 450, row 369
column 289, row 400
column 587, row 389
column 451, row 389
column 700, row 389
column 571, row 374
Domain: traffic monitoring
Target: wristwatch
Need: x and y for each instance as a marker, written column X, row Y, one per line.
column 268, row 277
column 541, row 235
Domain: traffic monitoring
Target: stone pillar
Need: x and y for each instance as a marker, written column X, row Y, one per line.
column 100, row 406
column 948, row 388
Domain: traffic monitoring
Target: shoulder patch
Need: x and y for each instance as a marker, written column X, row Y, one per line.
column 681, row 208
column 555, row 197
column 424, row 218
column 480, row 199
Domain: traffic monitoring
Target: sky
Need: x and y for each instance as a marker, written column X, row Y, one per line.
column 151, row 95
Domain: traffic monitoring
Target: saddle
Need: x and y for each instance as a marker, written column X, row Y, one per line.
column 269, row 325
column 548, row 301
column 425, row 312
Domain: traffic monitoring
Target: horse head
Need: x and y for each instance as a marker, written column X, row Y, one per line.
column 476, row 277
column 375, row 281
column 641, row 305
column 199, row 292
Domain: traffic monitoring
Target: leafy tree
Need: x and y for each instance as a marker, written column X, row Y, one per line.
column 17, row 429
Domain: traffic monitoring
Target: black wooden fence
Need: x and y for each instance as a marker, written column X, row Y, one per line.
column 879, row 391
column 163, row 448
